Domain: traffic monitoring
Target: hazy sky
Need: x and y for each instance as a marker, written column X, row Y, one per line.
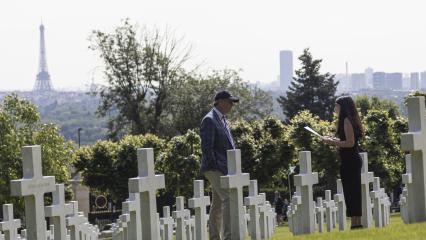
column 386, row 35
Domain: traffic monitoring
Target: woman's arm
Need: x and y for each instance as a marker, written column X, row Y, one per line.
column 349, row 133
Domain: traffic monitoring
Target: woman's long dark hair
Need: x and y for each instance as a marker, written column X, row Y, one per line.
column 349, row 110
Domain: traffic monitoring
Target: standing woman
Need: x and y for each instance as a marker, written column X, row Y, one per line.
column 349, row 132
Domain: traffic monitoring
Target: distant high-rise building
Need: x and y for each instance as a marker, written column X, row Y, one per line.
column 369, row 77
column 358, row 81
column 43, row 83
column 423, row 80
column 414, row 80
column 379, row 80
column 394, row 81
column 286, row 69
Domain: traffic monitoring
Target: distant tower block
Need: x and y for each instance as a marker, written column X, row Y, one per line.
column 43, row 83
column 286, row 69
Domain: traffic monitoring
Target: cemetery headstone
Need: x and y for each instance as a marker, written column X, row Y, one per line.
column 199, row 204
column 146, row 185
column 305, row 180
column 415, row 142
column 340, row 201
column 234, row 182
column 32, row 187
column 366, row 179
column 9, row 225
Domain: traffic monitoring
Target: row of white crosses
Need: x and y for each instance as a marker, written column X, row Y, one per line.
column 32, row 187
column 405, row 199
column 413, row 200
column 142, row 222
column 303, row 213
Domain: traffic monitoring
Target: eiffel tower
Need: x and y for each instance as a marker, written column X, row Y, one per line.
column 43, row 83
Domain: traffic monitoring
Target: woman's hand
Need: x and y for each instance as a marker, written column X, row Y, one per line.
column 330, row 140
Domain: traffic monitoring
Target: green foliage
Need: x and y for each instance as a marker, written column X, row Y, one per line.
column 150, row 90
column 325, row 159
column 20, row 126
column 180, row 162
column 382, row 143
column 365, row 104
column 264, row 150
column 191, row 100
column 310, row 90
column 77, row 113
column 107, row 166
column 140, row 74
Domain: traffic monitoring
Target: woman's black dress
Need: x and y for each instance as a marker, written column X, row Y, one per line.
column 350, row 173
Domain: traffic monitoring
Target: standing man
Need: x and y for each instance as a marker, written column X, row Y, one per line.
column 216, row 139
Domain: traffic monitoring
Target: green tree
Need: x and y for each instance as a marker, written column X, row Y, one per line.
column 191, row 100
column 139, row 73
column 382, row 143
column 325, row 159
column 180, row 162
column 365, row 104
column 264, row 149
column 20, row 126
column 310, row 90
column 119, row 159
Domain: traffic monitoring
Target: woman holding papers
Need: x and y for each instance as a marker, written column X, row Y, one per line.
column 349, row 131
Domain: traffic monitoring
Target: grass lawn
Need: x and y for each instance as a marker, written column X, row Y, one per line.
column 396, row 230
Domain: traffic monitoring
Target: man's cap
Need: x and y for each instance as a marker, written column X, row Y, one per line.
column 226, row 95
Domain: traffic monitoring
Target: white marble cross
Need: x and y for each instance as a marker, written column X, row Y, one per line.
column 376, row 195
column 263, row 221
column 50, row 234
column 403, row 206
column 189, row 227
column 329, row 205
column 290, row 218
column 253, row 201
column 270, row 218
column 407, row 179
column 234, row 183
column 179, row 215
column 305, row 180
column 319, row 210
column 366, row 179
column 168, row 223
column 23, row 234
column 146, row 185
column 296, row 200
column 32, row 187
column 199, row 204
column 383, row 207
column 415, row 142
column 74, row 221
column 247, row 220
column 340, row 201
column 57, row 212
column 9, row 225
column 132, row 207
column 124, row 220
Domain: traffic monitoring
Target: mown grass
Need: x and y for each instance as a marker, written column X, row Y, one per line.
column 396, row 230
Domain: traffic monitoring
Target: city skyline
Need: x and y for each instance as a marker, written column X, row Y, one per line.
column 240, row 35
